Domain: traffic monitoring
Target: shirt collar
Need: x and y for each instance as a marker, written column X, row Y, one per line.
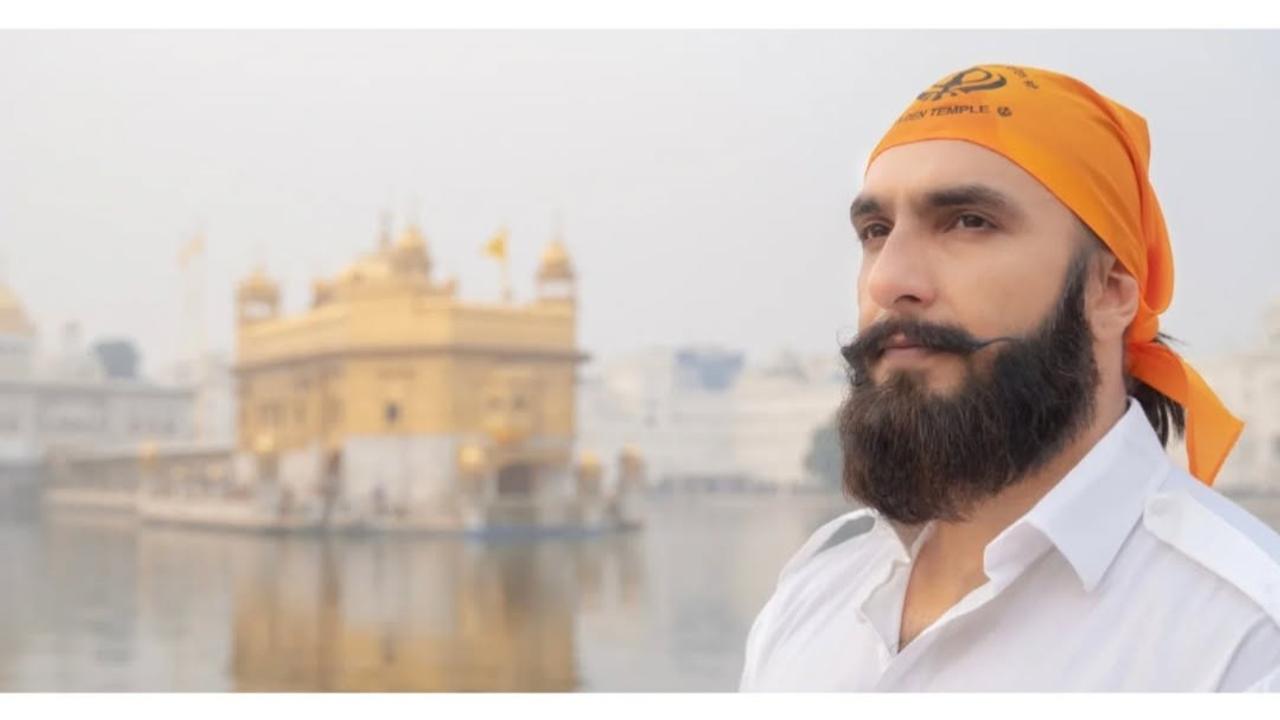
column 1089, row 513
column 1086, row 516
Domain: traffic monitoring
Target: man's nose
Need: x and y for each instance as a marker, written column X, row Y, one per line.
column 901, row 276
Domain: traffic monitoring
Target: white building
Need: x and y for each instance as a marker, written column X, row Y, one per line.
column 779, row 406
column 69, row 399
column 702, row 414
column 657, row 401
column 214, row 395
column 1249, row 384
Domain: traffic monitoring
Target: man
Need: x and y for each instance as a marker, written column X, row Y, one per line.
column 1010, row 400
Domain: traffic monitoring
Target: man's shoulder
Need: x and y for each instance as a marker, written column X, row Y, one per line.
column 826, row 567
column 843, row 532
column 1218, row 536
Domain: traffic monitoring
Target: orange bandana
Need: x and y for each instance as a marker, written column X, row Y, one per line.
column 1092, row 154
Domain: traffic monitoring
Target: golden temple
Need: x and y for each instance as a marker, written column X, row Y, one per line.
column 393, row 396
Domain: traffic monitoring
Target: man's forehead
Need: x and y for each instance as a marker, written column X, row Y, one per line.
column 916, row 171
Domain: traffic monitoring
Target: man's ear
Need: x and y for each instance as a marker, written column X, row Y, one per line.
column 1115, row 303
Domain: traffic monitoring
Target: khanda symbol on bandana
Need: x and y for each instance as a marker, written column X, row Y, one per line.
column 965, row 81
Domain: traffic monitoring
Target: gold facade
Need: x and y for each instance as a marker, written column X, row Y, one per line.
column 386, row 350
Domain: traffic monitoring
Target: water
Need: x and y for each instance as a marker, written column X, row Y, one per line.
column 99, row 602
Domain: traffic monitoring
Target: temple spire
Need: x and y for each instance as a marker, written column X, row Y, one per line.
column 384, row 230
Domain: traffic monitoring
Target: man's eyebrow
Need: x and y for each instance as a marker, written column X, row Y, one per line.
column 972, row 195
column 975, row 195
column 865, row 205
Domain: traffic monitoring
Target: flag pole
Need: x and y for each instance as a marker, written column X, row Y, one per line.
column 506, row 280
column 497, row 248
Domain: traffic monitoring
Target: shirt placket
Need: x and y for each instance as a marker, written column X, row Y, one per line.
column 881, row 607
column 901, row 662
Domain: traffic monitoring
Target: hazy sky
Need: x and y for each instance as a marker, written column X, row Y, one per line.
column 704, row 178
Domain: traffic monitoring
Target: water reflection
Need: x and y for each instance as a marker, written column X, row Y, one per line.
column 107, row 604
column 395, row 615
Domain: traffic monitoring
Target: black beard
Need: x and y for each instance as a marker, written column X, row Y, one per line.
column 917, row 456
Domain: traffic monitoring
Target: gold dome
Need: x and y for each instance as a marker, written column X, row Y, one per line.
column 471, row 459
column 630, row 461
column 259, row 286
column 412, row 237
column 588, row 470
column 410, row 252
column 555, row 263
column 321, row 292
column 588, row 460
column 13, row 318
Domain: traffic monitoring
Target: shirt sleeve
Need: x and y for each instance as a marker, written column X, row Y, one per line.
column 751, row 661
column 1255, row 667
column 1270, row 683
column 761, row 639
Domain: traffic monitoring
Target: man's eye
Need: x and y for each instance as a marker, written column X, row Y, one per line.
column 873, row 231
column 970, row 221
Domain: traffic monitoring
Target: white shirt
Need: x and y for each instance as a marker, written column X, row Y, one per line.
column 1128, row 575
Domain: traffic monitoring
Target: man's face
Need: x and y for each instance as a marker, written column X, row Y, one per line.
column 955, row 234
column 961, row 247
